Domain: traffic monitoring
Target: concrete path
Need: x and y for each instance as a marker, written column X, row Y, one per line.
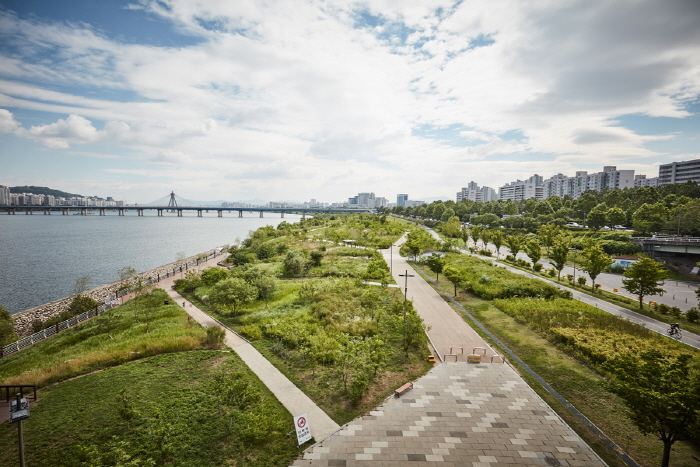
column 448, row 332
column 458, row 415
column 286, row 392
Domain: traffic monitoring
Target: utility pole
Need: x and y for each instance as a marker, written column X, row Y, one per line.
column 405, row 296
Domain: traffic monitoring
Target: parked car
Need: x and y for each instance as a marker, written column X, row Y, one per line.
column 620, row 227
column 573, row 224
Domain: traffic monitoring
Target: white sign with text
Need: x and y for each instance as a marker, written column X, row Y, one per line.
column 301, row 423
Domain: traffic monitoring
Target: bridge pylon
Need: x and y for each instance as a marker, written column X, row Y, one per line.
column 172, row 204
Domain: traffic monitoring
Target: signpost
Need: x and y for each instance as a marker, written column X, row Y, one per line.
column 19, row 410
column 301, row 424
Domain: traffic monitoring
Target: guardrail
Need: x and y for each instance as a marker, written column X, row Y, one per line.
column 108, row 303
column 667, row 239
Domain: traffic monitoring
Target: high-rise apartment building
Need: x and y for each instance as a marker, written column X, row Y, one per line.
column 679, row 172
column 4, row 196
column 401, row 199
column 523, row 189
column 610, row 178
column 473, row 192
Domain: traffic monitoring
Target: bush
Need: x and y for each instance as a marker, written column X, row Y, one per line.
column 663, row 308
column 581, row 281
column 485, row 252
column 537, row 267
column 510, row 258
column 692, row 315
column 252, row 332
column 215, row 337
column 552, row 273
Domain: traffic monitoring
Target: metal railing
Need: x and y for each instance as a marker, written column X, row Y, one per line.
column 108, row 303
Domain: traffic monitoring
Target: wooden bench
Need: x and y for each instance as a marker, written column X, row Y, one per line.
column 403, row 389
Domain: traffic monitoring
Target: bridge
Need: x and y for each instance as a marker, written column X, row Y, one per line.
column 662, row 244
column 179, row 210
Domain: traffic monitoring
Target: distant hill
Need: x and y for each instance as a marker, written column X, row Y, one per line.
column 42, row 190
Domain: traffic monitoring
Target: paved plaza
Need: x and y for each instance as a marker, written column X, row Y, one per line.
column 459, row 414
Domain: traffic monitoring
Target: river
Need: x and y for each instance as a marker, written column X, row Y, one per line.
column 41, row 257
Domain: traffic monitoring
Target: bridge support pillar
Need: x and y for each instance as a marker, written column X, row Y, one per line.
column 28, row 212
column 83, row 212
column 160, row 213
column 179, row 213
column 64, row 212
column 199, row 213
column 261, row 213
column 47, row 212
column 282, row 214
column 121, row 212
column 139, row 212
column 240, row 213
column 221, row 213
column 303, row 214
column 103, row 212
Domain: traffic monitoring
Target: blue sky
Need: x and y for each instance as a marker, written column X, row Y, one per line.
column 305, row 99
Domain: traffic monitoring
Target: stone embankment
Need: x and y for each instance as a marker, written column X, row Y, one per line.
column 24, row 319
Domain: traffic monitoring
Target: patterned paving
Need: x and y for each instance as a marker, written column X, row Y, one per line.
column 459, row 414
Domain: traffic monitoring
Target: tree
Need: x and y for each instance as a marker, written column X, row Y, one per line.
column 125, row 273
column 295, row 263
column 231, row 293
column 7, row 327
column 316, row 258
column 546, row 234
column 514, row 244
column 81, row 285
column 661, row 393
column 644, row 278
column 650, row 218
column 497, row 240
column 594, row 261
column 453, row 274
column 560, row 253
column 267, row 285
column 211, row 276
column 597, row 217
column 615, row 216
column 475, row 233
column 585, row 203
column 452, row 227
column 436, row 263
column 534, row 251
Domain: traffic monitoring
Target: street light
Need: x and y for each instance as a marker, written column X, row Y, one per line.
column 405, row 296
column 575, row 254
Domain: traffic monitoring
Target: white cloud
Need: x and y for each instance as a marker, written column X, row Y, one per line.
column 289, row 88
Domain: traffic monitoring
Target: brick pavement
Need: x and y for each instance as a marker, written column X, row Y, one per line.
column 459, row 414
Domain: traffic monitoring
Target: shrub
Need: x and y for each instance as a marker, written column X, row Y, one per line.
column 581, row 281
column 485, row 252
column 692, row 315
column 537, row 267
column 215, row 337
column 663, row 308
column 252, row 332
column 552, row 273
column 675, row 311
column 510, row 258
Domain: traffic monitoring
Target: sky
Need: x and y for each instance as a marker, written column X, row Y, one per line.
column 293, row 100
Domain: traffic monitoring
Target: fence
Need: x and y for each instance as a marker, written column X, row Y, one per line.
column 108, row 303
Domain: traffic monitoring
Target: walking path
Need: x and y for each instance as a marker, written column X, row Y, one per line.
column 286, row 392
column 459, row 414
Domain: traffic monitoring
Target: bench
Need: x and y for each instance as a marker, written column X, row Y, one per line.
column 403, row 389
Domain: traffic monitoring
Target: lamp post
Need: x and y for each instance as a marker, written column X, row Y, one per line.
column 575, row 254
column 405, row 296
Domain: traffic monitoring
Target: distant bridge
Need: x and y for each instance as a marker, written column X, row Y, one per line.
column 669, row 244
column 102, row 211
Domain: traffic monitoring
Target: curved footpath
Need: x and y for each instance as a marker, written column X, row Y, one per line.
column 286, row 392
column 459, row 414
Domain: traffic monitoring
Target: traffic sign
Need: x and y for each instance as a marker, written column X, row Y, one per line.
column 301, row 424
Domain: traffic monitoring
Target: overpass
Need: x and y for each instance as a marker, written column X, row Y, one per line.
column 659, row 244
column 179, row 210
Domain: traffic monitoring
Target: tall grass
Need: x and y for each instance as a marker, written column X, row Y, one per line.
column 117, row 336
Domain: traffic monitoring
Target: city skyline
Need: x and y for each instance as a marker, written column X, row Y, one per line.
column 300, row 100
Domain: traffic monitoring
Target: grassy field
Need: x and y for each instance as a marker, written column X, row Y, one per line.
column 178, row 413
column 117, row 336
column 578, row 383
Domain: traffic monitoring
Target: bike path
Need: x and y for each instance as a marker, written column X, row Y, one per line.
column 286, row 392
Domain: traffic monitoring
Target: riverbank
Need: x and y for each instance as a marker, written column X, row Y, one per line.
column 24, row 319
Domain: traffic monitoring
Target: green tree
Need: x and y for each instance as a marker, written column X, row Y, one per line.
column 597, row 218
column 644, row 278
column 497, row 240
column 452, row 227
column 231, row 293
column 534, row 251
column 594, row 261
column 7, row 327
column 124, row 274
column 475, row 232
column 212, row 276
column 547, row 234
column 560, row 253
column 514, row 243
column 295, row 263
column 436, row 263
column 586, row 203
column 452, row 274
column 650, row 218
column 81, row 285
column 661, row 393
column 316, row 258
column 615, row 216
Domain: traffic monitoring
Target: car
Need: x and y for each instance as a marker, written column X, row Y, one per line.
column 620, row 227
column 605, row 227
column 573, row 224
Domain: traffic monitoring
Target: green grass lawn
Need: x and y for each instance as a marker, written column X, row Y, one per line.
column 577, row 383
column 88, row 346
column 177, row 418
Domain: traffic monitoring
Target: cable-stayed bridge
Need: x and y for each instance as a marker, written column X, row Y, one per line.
column 169, row 204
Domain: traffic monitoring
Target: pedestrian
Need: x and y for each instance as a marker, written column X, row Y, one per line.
column 183, row 304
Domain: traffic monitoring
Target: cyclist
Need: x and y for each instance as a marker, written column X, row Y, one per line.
column 675, row 330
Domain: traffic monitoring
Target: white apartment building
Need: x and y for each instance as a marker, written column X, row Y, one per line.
column 642, row 180
column 367, row 200
column 523, row 189
column 473, row 192
column 4, row 195
column 610, row 178
column 679, row 172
